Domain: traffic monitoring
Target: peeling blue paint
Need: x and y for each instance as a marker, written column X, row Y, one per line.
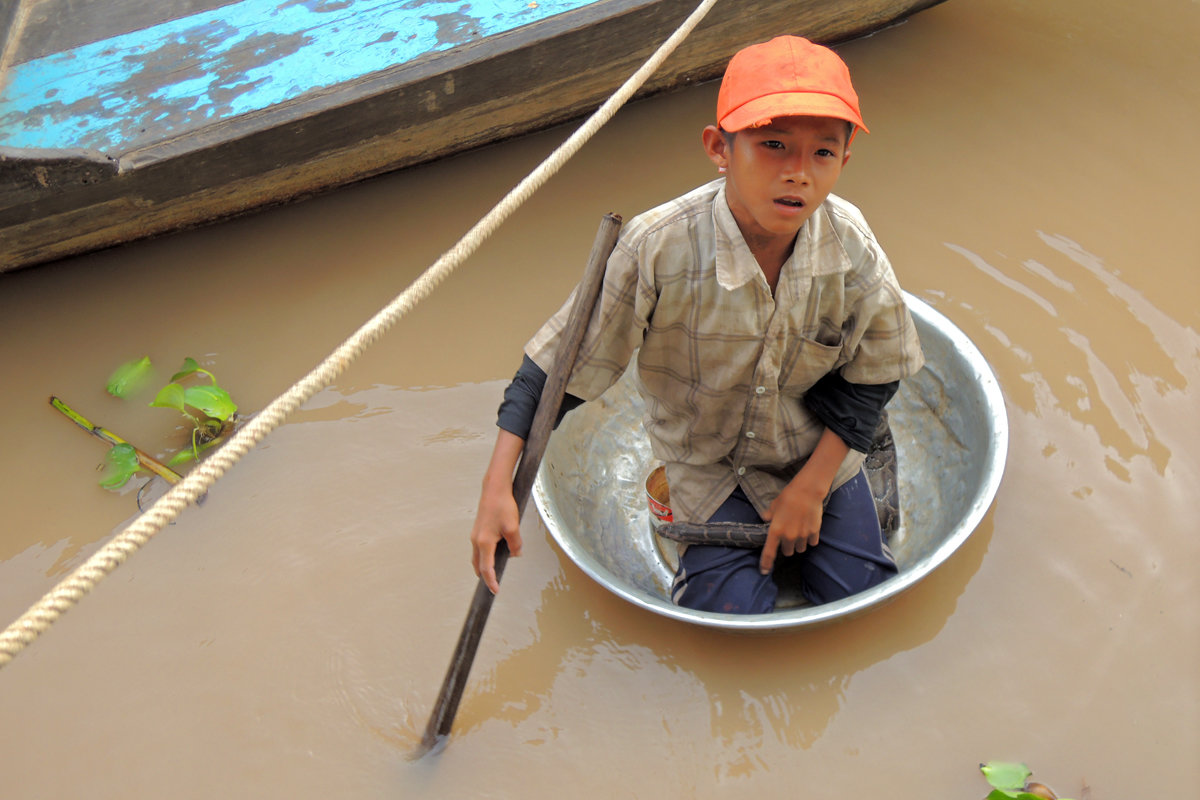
column 158, row 82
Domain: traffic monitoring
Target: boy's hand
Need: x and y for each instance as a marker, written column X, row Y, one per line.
column 498, row 516
column 795, row 519
column 795, row 516
column 496, row 519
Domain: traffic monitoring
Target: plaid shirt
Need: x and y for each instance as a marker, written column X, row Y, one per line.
column 723, row 365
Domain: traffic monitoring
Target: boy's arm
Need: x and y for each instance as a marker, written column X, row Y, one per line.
column 795, row 516
column 851, row 410
column 498, row 516
column 522, row 396
column 618, row 319
column 850, row 413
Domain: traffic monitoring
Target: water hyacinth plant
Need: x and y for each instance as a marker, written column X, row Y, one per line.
column 1010, row 781
column 216, row 408
column 208, row 407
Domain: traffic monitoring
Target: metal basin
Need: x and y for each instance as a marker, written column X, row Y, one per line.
column 951, row 433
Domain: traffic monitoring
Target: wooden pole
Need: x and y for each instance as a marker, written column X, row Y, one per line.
column 442, row 718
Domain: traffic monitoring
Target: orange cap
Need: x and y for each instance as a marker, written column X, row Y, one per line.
column 787, row 76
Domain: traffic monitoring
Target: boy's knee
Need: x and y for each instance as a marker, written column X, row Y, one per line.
column 724, row 602
column 825, row 585
column 727, row 584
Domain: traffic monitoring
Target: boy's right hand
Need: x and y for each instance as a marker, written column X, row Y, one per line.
column 498, row 516
column 496, row 519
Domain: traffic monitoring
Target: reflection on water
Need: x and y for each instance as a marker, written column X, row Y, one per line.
column 674, row 673
column 1108, row 350
column 289, row 638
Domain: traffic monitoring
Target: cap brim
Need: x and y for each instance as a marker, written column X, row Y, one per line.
column 762, row 110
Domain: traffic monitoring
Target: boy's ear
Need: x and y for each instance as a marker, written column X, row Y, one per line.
column 715, row 146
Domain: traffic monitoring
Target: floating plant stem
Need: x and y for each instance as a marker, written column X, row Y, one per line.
column 145, row 460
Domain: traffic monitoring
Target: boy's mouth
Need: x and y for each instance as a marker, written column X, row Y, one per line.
column 791, row 202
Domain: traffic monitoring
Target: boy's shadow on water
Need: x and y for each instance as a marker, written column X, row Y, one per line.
column 788, row 684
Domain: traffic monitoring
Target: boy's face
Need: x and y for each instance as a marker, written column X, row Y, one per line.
column 778, row 174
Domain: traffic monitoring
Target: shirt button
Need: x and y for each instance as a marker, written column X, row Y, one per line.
column 741, row 470
column 749, row 434
column 760, row 390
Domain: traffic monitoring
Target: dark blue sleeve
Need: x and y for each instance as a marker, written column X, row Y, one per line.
column 521, row 400
column 851, row 410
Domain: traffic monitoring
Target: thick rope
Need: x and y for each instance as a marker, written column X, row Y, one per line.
column 70, row 590
column 8, row 43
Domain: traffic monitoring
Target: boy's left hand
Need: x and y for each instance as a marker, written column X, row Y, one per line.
column 795, row 516
column 795, row 519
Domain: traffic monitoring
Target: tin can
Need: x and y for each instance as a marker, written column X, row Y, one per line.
column 658, row 497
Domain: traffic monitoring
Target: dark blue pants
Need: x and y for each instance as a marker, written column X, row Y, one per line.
column 850, row 557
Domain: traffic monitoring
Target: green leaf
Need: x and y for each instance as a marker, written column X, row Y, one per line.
column 190, row 367
column 170, row 396
column 1001, row 794
column 129, row 377
column 212, row 400
column 1006, row 775
column 120, row 465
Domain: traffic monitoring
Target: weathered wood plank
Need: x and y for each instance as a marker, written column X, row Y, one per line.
column 148, row 84
column 56, row 26
column 27, row 173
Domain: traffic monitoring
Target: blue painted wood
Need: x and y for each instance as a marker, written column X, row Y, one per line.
column 158, row 82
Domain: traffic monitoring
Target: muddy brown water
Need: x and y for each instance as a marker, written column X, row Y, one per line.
column 1032, row 172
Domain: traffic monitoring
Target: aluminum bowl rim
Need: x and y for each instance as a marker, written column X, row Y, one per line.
column 811, row 616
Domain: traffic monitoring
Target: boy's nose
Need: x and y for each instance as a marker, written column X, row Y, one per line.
column 797, row 170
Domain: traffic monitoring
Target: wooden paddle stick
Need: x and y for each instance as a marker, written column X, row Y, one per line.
column 442, row 718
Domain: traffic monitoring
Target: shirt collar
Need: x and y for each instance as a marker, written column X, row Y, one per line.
column 818, row 249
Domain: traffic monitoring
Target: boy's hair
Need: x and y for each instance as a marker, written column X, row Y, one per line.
column 787, row 76
column 729, row 136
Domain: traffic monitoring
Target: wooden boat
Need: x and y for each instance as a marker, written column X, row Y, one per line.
column 127, row 118
column 951, row 434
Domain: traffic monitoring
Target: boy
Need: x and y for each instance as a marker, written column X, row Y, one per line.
column 772, row 332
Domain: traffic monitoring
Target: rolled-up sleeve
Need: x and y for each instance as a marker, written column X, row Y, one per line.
column 521, row 400
column 850, row 410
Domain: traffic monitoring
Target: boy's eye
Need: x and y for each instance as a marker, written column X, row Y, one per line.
column 825, row 152
column 773, row 144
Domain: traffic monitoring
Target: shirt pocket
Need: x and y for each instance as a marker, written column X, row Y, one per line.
column 805, row 363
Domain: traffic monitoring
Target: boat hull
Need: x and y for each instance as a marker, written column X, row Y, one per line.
column 142, row 156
